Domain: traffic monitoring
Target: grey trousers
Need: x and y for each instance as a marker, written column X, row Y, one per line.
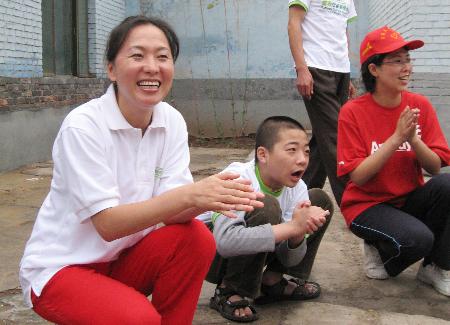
column 243, row 274
column 330, row 93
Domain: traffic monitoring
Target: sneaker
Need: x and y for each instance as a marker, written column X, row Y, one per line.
column 373, row 265
column 437, row 277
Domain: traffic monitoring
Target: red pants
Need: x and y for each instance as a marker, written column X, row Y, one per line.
column 169, row 263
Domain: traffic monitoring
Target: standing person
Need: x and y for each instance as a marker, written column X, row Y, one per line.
column 121, row 168
column 273, row 236
column 318, row 40
column 385, row 138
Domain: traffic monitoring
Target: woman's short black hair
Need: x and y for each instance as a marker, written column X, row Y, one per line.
column 121, row 31
column 368, row 79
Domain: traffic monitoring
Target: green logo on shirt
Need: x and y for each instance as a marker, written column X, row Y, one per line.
column 338, row 7
column 158, row 172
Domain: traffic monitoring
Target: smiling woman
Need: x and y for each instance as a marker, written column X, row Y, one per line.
column 385, row 138
column 121, row 167
column 142, row 71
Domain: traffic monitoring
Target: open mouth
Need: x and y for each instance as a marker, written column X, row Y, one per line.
column 149, row 84
column 297, row 174
column 404, row 78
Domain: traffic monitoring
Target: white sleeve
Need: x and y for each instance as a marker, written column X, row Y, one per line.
column 205, row 217
column 302, row 3
column 233, row 238
column 352, row 11
column 81, row 170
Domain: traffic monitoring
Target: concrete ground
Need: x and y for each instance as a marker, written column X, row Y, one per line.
column 348, row 297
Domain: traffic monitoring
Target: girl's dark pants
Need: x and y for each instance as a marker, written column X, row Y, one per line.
column 419, row 229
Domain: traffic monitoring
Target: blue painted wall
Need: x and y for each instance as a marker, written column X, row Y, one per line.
column 235, row 66
column 228, row 39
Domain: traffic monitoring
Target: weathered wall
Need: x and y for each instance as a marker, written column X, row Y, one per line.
column 235, row 66
column 228, row 107
column 20, row 38
column 229, row 39
column 103, row 16
column 31, row 111
column 428, row 20
column 357, row 30
column 234, row 70
column 27, row 135
column 250, row 45
column 31, row 106
column 58, row 91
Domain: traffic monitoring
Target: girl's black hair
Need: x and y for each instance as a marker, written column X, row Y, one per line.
column 368, row 79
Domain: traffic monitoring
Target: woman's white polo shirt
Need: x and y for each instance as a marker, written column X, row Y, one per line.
column 101, row 161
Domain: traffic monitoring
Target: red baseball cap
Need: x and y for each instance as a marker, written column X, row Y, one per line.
column 384, row 40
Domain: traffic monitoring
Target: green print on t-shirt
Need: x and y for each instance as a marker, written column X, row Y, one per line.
column 338, row 7
column 158, row 172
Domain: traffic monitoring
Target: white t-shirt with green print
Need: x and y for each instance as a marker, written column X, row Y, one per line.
column 324, row 33
column 287, row 197
column 232, row 236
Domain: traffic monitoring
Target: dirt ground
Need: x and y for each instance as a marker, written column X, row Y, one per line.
column 247, row 142
column 348, row 297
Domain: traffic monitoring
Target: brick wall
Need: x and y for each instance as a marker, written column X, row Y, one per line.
column 32, row 93
column 21, row 35
column 432, row 24
column 395, row 13
column 436, row 86
column 20, row 38
column 103, row 16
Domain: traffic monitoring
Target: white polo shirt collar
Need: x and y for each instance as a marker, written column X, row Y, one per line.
column 115, row 119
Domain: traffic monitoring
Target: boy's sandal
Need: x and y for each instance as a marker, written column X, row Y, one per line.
column 227, row 308
column 304, row 290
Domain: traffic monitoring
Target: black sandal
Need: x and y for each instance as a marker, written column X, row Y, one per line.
column 275, row 292
column 227, row 308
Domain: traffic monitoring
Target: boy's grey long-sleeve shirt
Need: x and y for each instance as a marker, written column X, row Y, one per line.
column 232, row 236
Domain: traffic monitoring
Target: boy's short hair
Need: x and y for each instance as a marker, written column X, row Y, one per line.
column 268, row 130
